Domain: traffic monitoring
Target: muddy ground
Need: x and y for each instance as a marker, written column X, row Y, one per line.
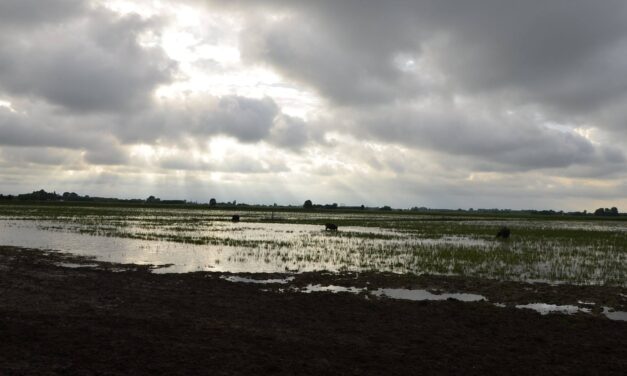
column 117, row 319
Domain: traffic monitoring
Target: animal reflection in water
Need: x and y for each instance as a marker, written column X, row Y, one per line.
column 330, row 227
column 503, row 233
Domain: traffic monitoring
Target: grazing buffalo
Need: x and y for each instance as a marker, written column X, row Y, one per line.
column 235, row 218
column 503, row 233
column 330, row 226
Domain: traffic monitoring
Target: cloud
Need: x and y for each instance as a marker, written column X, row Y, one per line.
column 519, row 142
column 292, row 133
column 341, row 52
column 24, row 157
column 26, row 13
column 565, row 56
column 112, row 155
column 91, row 62
column 40, row 127
column 249, row 120
column 456, row 101
column 47, row 130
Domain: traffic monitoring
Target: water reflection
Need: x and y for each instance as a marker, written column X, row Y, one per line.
column 186, row 243
column 407, row 294
column 331, row 288
column 614, row 315
column 237, row 279
column 544, row 309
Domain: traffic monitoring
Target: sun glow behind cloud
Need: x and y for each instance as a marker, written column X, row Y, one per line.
column 205, row 46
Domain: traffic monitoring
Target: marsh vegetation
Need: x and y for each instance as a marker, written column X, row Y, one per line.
column 569, row 250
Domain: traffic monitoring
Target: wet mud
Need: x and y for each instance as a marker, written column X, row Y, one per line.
column 111, row 319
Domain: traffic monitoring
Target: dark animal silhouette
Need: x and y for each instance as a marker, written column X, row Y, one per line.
column 330, row 226
column 503, row 233
column 235, row 218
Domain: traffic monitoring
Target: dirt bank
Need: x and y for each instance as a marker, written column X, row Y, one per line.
column 125, row 320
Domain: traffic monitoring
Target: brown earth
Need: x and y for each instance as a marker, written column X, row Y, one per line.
column 118, row 319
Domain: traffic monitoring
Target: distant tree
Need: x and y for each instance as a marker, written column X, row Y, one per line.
column 67, row 196
column 213, row 202
column 152, row 199
column 40, row 195
column 386, row 207
column 613, row 212
column 308, row 204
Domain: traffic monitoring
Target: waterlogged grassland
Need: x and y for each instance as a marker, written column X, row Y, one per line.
column 574, row 250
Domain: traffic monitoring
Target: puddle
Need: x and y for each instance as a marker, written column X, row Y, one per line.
column 407, row 294
column 423, row 295
column 259, row 281
column 330, row 288
column 72, row 265
column 614, row 315
column 544, row 309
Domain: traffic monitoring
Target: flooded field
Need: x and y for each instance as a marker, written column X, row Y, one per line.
column 585, row 251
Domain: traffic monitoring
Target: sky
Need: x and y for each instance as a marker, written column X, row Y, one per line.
column 436, row 103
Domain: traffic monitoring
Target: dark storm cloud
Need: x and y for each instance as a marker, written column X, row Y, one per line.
column 563, row 53
column 91, row 62
column 325, row 54
column 566, row 55
column 566, row 60
column 248, row 120
column 53, row 132
column 171, row 124
column 519, row 142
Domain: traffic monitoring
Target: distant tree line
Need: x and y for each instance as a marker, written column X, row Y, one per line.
column 42, row 195
column 309, row 205
column 612, row 212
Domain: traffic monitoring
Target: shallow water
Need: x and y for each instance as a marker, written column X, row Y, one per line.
column 265, row 247
column 544, row 309
column 237, row 279
column 614, row 315
column 73, row 266
column 330, row 288
column 188, row 241
column 600, row 226
column 407, row 294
